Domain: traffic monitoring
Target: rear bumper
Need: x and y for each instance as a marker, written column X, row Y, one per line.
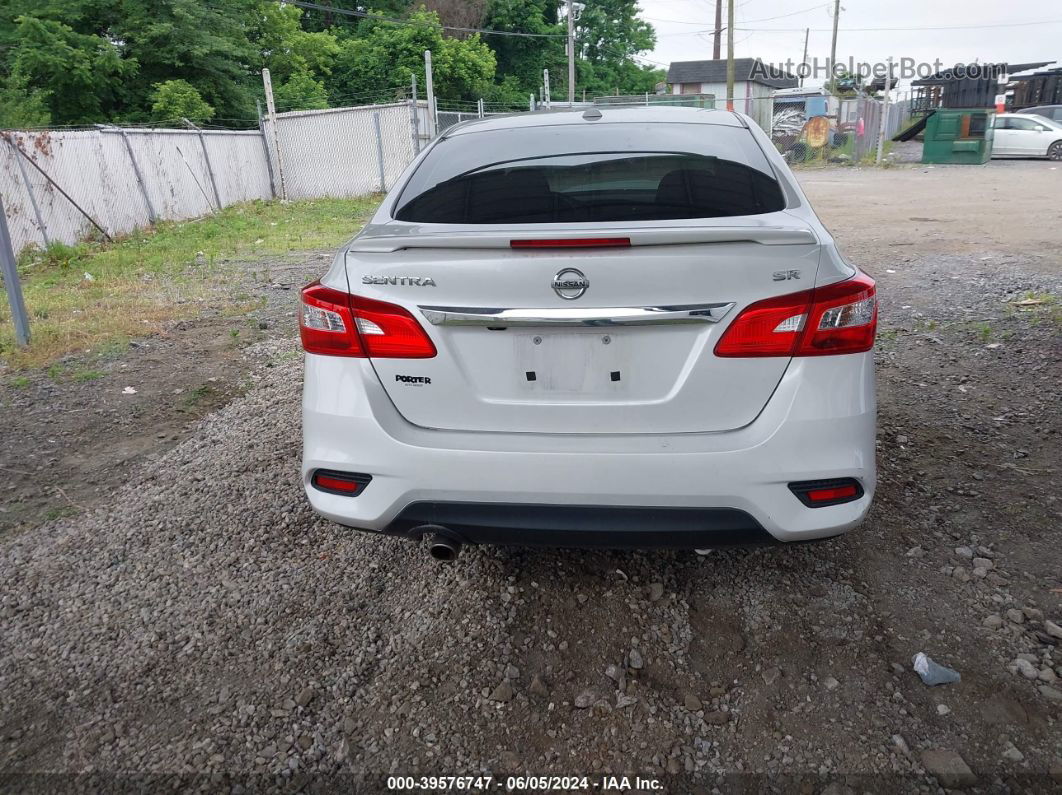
column 582, row 525
column 819, row 424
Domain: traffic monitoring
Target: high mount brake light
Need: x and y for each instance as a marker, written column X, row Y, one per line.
column 334, row 323
column 837, row 318
column 574, row 242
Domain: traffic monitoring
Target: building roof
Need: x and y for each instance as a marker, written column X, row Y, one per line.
column 714, row 71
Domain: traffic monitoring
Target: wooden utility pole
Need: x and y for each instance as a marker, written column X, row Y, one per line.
column 833, row 45
column 730, row 55
column 717, row 42
column 807, row 32
column 271, row 112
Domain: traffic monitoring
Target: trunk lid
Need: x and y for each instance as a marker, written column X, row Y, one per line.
column 583, row 340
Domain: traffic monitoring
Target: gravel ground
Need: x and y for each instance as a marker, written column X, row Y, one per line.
column 68, row 441
column 205, row 629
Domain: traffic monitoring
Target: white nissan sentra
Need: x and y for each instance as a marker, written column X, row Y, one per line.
column 615, row 328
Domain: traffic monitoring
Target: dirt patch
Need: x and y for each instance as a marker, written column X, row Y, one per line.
column 885, row 215
column 74, row 432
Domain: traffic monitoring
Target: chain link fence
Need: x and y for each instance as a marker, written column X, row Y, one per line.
column 449, row 113
column 342, row 151
column 822, row 129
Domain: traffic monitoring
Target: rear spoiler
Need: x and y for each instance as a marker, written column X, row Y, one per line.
column 764, row 235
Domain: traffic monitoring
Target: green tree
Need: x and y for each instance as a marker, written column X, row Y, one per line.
column 87, row 61
column 20, row 108
column 98, row 60
column 379, row 59
column 300, row 92
column 285, row 47
column 80, row 78
column 178, row 99
column 609, row 32
column 203, row 43
column 510, row 91
column 523, row 58
column 625, row 77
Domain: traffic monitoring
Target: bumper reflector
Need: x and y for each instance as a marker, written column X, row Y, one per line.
column 820, row 493
column 347, row 484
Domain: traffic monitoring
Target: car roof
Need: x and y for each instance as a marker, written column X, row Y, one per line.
column 608, row 115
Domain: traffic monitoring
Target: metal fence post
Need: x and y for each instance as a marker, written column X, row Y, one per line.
column 29, row 191
column 152, row 216
column 379, row 151
column 415, row 117
column 206, row 159
column 429, row 87
column 883, row 118
column 413, row 126
column 9, row 267
column 271, row 109
column 265, row 147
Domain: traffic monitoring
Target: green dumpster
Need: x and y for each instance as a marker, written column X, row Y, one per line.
column 959, row 135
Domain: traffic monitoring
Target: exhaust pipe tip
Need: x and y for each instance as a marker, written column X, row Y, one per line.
column 442, row 546
column 444, row 550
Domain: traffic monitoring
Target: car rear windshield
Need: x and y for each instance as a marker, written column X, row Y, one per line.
column 604, row 172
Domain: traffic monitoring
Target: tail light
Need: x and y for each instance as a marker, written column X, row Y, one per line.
column 347, row 484
column 335, row 323
column 821, row 493
column 837, row 318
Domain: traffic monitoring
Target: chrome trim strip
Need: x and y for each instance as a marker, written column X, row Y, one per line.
column 564, row 316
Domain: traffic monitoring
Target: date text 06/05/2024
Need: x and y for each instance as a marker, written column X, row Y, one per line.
column 528, row 783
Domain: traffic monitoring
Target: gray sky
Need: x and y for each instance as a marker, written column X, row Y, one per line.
column 759, row 34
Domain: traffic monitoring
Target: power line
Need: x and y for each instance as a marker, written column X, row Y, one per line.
column 910, row 30
column 414, row 23
column 745, row 22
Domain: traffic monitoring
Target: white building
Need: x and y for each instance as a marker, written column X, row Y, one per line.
column 754, row 83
